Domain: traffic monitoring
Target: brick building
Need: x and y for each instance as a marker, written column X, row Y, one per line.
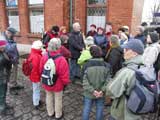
column 31, row 17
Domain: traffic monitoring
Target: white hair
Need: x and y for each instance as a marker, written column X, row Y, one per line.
column 54, row 44
column 75, row 24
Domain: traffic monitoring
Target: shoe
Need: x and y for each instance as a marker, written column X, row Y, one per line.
column 52, row 116
column 40, row 107
column 59, row 117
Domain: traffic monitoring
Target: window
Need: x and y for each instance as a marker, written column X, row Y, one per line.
column 12, row 13
column 96, row 13
column 36, row 16
column 36, row 20
column 32, row 2
column 11, row 3
column 96, row 2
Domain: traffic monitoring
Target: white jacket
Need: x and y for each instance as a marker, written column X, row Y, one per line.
column 150, row 54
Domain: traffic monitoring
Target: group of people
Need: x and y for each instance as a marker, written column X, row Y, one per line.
column 100, row 61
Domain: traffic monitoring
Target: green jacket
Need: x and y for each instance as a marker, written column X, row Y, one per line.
column 96, row 74
column 84, row 57
column 122, row 83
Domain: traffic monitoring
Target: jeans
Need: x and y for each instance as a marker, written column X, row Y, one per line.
column 74, row 69
column 88, row 106
column 36, row 93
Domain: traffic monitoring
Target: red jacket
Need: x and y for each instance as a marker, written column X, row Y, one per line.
column 62, row 71
column 35, row 57
column 65, row 52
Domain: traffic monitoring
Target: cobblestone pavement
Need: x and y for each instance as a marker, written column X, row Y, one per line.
column 24, row 110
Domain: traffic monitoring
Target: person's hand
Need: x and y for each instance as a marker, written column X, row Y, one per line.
column 95, row 93
column 98, row 94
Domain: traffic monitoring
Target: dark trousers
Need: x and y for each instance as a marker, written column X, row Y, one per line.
column 3, row 91
column 74, row 69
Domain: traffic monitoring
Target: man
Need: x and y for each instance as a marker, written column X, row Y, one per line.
column 12, row 52
column 4, row 73
column 76, row 45
column 140, row 34
column 123, row 82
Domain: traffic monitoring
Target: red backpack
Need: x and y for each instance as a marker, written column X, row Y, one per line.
column 27, row 67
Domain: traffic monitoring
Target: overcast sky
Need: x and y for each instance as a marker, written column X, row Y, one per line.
column 148, row 5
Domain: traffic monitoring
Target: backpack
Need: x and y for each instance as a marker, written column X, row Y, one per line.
column 27, row 67
column 12, row 51
column 49, row 76
column 143, row 97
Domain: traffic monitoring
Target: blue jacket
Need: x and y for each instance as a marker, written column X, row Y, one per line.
column 102, row 42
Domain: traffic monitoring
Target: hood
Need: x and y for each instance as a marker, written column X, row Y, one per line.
column 134, row 61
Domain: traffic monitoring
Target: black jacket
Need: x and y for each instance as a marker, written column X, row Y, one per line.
column 5, row 67
column 76, row 44
column 115, row 59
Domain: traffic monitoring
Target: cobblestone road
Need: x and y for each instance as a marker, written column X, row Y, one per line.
column 24, row 110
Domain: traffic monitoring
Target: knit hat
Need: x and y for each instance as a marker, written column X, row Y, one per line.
column 135, row 45
column 96, row 52
column 12, row 30
column 3, row 41
column 93, row 25
column 154, row 36
column 37, row 44
column 54, row 44
column 89, row 41
column 114, row 39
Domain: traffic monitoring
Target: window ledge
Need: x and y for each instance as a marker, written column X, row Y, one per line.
column 32, row 35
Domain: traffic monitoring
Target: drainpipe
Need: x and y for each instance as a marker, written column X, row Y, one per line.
column 71, row 15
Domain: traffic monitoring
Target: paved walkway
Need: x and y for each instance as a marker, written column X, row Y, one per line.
column 23, row 108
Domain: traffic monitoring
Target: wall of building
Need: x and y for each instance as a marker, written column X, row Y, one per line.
column 119, row 13
column 136, row 15
column 57, row 12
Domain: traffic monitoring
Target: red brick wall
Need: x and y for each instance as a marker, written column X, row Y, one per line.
column 119, row 13
column 23, row 17
column 56, row 12
column 3, row 16
column 53, row 12
column 80, row 13
column 137, row 15
column 66, row 16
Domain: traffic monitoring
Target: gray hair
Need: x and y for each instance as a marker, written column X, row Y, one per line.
column 75, row 24
column 141, row 29
column 54, row 44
